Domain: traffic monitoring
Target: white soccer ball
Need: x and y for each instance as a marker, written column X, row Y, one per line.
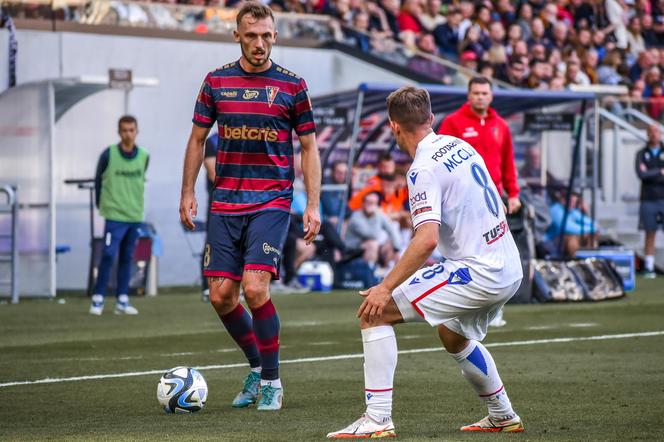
column 182, row 390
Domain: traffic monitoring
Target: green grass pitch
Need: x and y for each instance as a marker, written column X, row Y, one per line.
column 585, row 390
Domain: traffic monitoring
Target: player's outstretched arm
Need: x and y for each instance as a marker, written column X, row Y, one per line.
column 419, row 249
column 193, row 159
column 312, row 179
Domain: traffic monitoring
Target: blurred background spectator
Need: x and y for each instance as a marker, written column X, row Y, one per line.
column 372, row 231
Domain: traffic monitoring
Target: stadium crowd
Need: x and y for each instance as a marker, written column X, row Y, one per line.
column 533, row 44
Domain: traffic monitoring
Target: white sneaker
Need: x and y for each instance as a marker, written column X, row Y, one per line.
column 122, row 308
column 96, row 309
column 97, row 305
column 365, row 428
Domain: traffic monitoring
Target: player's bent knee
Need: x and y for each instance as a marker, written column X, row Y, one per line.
column 391, row 315
column 452, row 341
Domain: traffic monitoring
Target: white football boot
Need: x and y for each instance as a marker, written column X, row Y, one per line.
column 122, row 306
column 365, row 428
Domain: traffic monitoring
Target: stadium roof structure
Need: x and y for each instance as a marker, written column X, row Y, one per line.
column 69, row 91
column 446, row 99
column 370, row 98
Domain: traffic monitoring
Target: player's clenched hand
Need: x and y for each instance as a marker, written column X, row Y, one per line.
column 188, row 210
column 311, row 221
column 375, row 300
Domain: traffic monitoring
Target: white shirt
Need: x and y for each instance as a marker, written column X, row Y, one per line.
column 448, row 184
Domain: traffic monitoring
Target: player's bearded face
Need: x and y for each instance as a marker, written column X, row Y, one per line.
column 256, row 38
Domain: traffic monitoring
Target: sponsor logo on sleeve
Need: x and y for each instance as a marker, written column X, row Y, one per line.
column 414, row 281
column 420, row 197
column 422, row 210
column 413, row 176
column 419, row 204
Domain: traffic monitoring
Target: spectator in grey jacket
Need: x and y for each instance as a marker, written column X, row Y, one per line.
column 371, row 230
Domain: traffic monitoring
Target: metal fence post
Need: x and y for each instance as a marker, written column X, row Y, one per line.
column 12, row 202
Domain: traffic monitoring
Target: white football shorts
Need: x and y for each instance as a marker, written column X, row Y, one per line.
column 445, row 293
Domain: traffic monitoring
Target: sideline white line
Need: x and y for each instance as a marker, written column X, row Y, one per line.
column 335, row 358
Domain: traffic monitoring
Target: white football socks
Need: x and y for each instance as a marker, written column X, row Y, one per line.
column 478, row 367
column 650, row 263
column 380, row 362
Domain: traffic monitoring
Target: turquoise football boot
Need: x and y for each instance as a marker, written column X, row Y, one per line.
column 249, row 393
column 271, row 398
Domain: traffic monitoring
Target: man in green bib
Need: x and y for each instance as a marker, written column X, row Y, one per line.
column 120, row 190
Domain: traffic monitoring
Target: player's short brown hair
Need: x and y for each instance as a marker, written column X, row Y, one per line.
column 256, row 10
column 127, row 119
column 409, row 106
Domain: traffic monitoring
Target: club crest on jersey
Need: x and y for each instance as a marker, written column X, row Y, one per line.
column 250, row 94
column 272, row 92
column 460, row 277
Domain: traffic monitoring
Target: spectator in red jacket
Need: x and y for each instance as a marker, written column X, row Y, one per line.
column 477, row 123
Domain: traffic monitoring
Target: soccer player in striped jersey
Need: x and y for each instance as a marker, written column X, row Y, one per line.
column 256, row 105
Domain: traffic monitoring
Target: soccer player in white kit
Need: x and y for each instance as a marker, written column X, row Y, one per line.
column 454, row 206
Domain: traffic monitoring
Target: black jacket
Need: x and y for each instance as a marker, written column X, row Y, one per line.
column 649, row 168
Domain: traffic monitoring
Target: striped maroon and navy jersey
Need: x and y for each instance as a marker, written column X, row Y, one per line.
column 256, row 114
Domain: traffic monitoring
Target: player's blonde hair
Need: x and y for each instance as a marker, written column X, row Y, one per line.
column 409, row 106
